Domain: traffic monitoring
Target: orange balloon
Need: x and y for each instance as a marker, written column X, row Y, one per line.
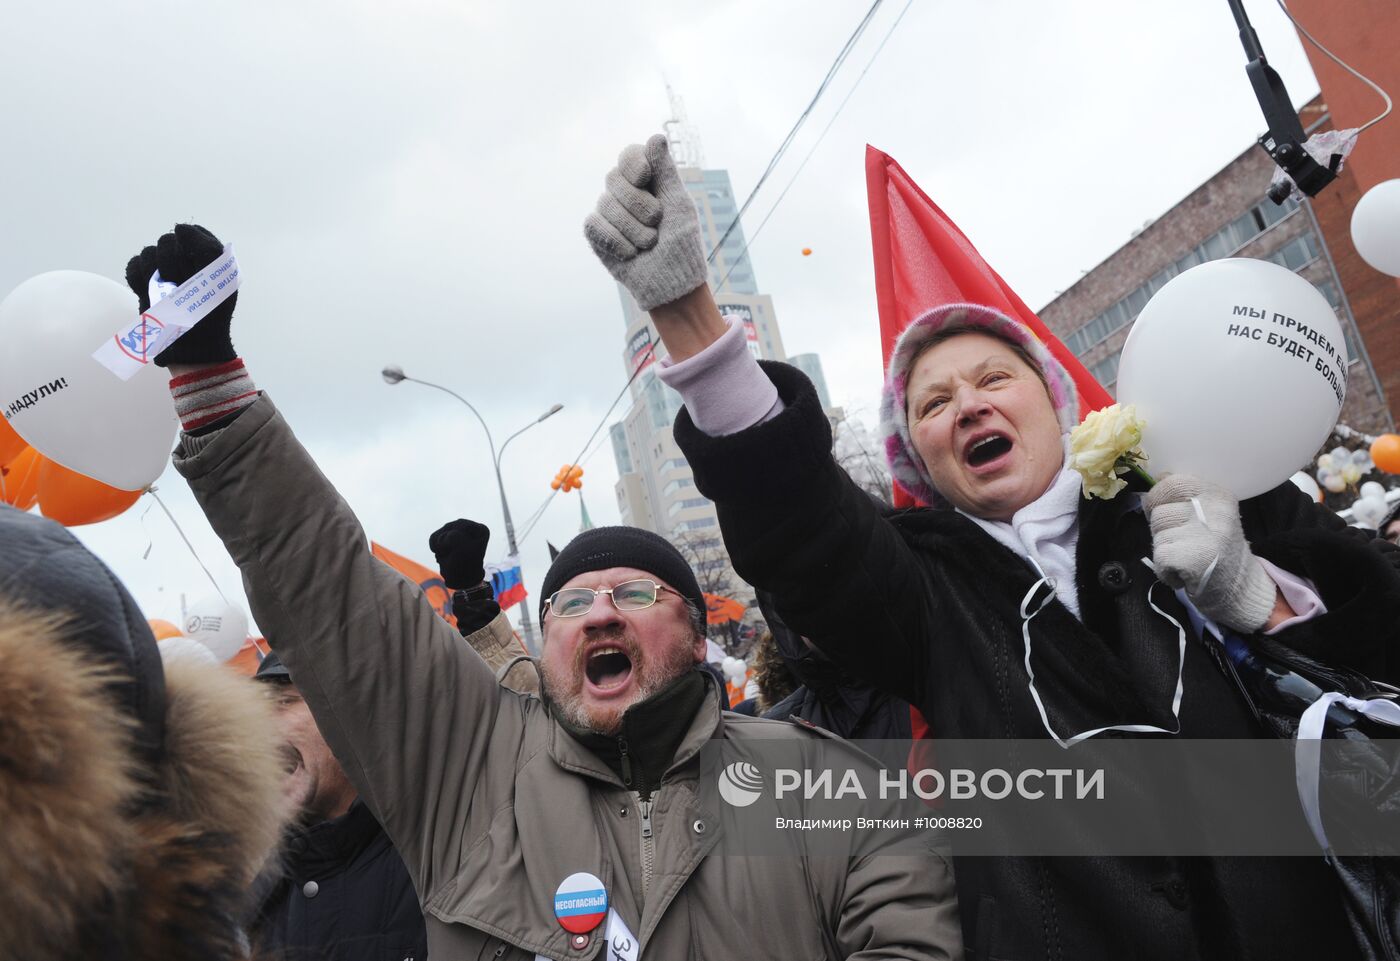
column 736, row 692
column 806, row 251
column 19, row 480
column 73, row 499
column 1385, row 451
column 11, row 444
column 163, row 629
column 249, row 656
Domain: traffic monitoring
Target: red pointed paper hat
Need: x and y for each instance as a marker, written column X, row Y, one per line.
column 923, row 261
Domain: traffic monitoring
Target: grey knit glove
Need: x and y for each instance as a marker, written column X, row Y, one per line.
column 645, row 229
column 1198, row 543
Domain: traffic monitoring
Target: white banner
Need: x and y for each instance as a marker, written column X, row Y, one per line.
column 137, row 344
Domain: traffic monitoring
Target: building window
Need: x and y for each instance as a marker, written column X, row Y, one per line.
column 704, row 543
column 688, row 504
column 678, row 484
column 1106, row 370
column 695, row 525
column 1297, row 253
column 1225, row 241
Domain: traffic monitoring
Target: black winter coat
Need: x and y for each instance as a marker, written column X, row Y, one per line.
column 926, row 605
column 828, row 696
column 343, row 895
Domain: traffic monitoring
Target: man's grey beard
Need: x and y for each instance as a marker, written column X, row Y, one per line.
column 651, row 678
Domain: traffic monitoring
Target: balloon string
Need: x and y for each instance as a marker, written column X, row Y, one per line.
column 150, row 541
column 176, row 524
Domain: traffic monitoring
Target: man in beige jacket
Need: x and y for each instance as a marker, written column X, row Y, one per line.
column 494, row 798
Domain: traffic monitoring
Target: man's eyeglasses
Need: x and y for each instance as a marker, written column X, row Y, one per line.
column 627, row 596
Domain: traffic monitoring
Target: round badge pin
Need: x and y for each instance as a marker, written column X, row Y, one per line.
column 580, row 903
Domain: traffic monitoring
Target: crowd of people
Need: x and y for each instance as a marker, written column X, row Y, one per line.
column 391, row 787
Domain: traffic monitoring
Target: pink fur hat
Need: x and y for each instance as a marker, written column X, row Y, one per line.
column 905, row 464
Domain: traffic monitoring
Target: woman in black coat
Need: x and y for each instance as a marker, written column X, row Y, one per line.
column 927, row 603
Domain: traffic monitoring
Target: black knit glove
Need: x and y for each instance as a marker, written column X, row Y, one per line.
column 473, row 613
column 460, row 549
column 178, row 256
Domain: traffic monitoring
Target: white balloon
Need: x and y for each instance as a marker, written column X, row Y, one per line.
column 1361, row 458
column 1307, row 485
column 1334, row 483
column 1373, row 490
column 1340, row 455
column 1375, row 227
column 1238, row 369
column 1351, row 474
column 63, row 402
column 217, row 625
column 184, row 649
column 1369, row 511
column 1324, row 462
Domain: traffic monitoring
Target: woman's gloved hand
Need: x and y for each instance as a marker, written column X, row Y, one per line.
column 645, row 229
column 1198, row 544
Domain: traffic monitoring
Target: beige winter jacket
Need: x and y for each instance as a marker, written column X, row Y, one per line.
column 489, row 801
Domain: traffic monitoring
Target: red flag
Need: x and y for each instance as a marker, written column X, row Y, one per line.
column 922, row 261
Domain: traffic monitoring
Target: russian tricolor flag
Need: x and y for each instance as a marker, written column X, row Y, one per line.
column 507, row 581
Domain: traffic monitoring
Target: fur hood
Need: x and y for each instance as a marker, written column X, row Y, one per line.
column 104, row 853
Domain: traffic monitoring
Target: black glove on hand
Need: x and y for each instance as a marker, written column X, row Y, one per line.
column 460, row 549
column 473, row 615
column 179, row 255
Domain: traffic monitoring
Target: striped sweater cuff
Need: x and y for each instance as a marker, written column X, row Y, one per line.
column 203, row 396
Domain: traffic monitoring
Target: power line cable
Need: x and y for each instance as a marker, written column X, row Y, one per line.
column 641, row 365
column 596, row 447
column 802, row 118
column 749, row 242
column 529, row 521
column 772, row 163
column 1345, row 66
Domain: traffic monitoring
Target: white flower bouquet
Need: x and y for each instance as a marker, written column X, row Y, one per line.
column 1107, row 446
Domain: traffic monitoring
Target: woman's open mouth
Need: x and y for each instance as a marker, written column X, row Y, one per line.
column 987, row 451
column 607, row 669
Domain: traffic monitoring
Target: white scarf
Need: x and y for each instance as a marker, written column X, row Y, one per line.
column 1046, row 533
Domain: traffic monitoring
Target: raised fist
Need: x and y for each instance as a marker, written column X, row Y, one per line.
column 645, row 229
column 178, row 256
column 460, row 549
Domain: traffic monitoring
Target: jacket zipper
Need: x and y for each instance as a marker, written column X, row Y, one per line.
column 648, row 842
column 644, row 802
column 626, row 762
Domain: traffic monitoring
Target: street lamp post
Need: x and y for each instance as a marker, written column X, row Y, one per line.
column 393, row 374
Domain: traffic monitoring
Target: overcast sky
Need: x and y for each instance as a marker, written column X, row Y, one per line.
column 434, row 161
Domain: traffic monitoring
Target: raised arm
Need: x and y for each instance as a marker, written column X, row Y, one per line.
column 760, row 444
column 409, row 710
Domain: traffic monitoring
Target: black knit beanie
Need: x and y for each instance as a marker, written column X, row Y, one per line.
column 604, row 547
